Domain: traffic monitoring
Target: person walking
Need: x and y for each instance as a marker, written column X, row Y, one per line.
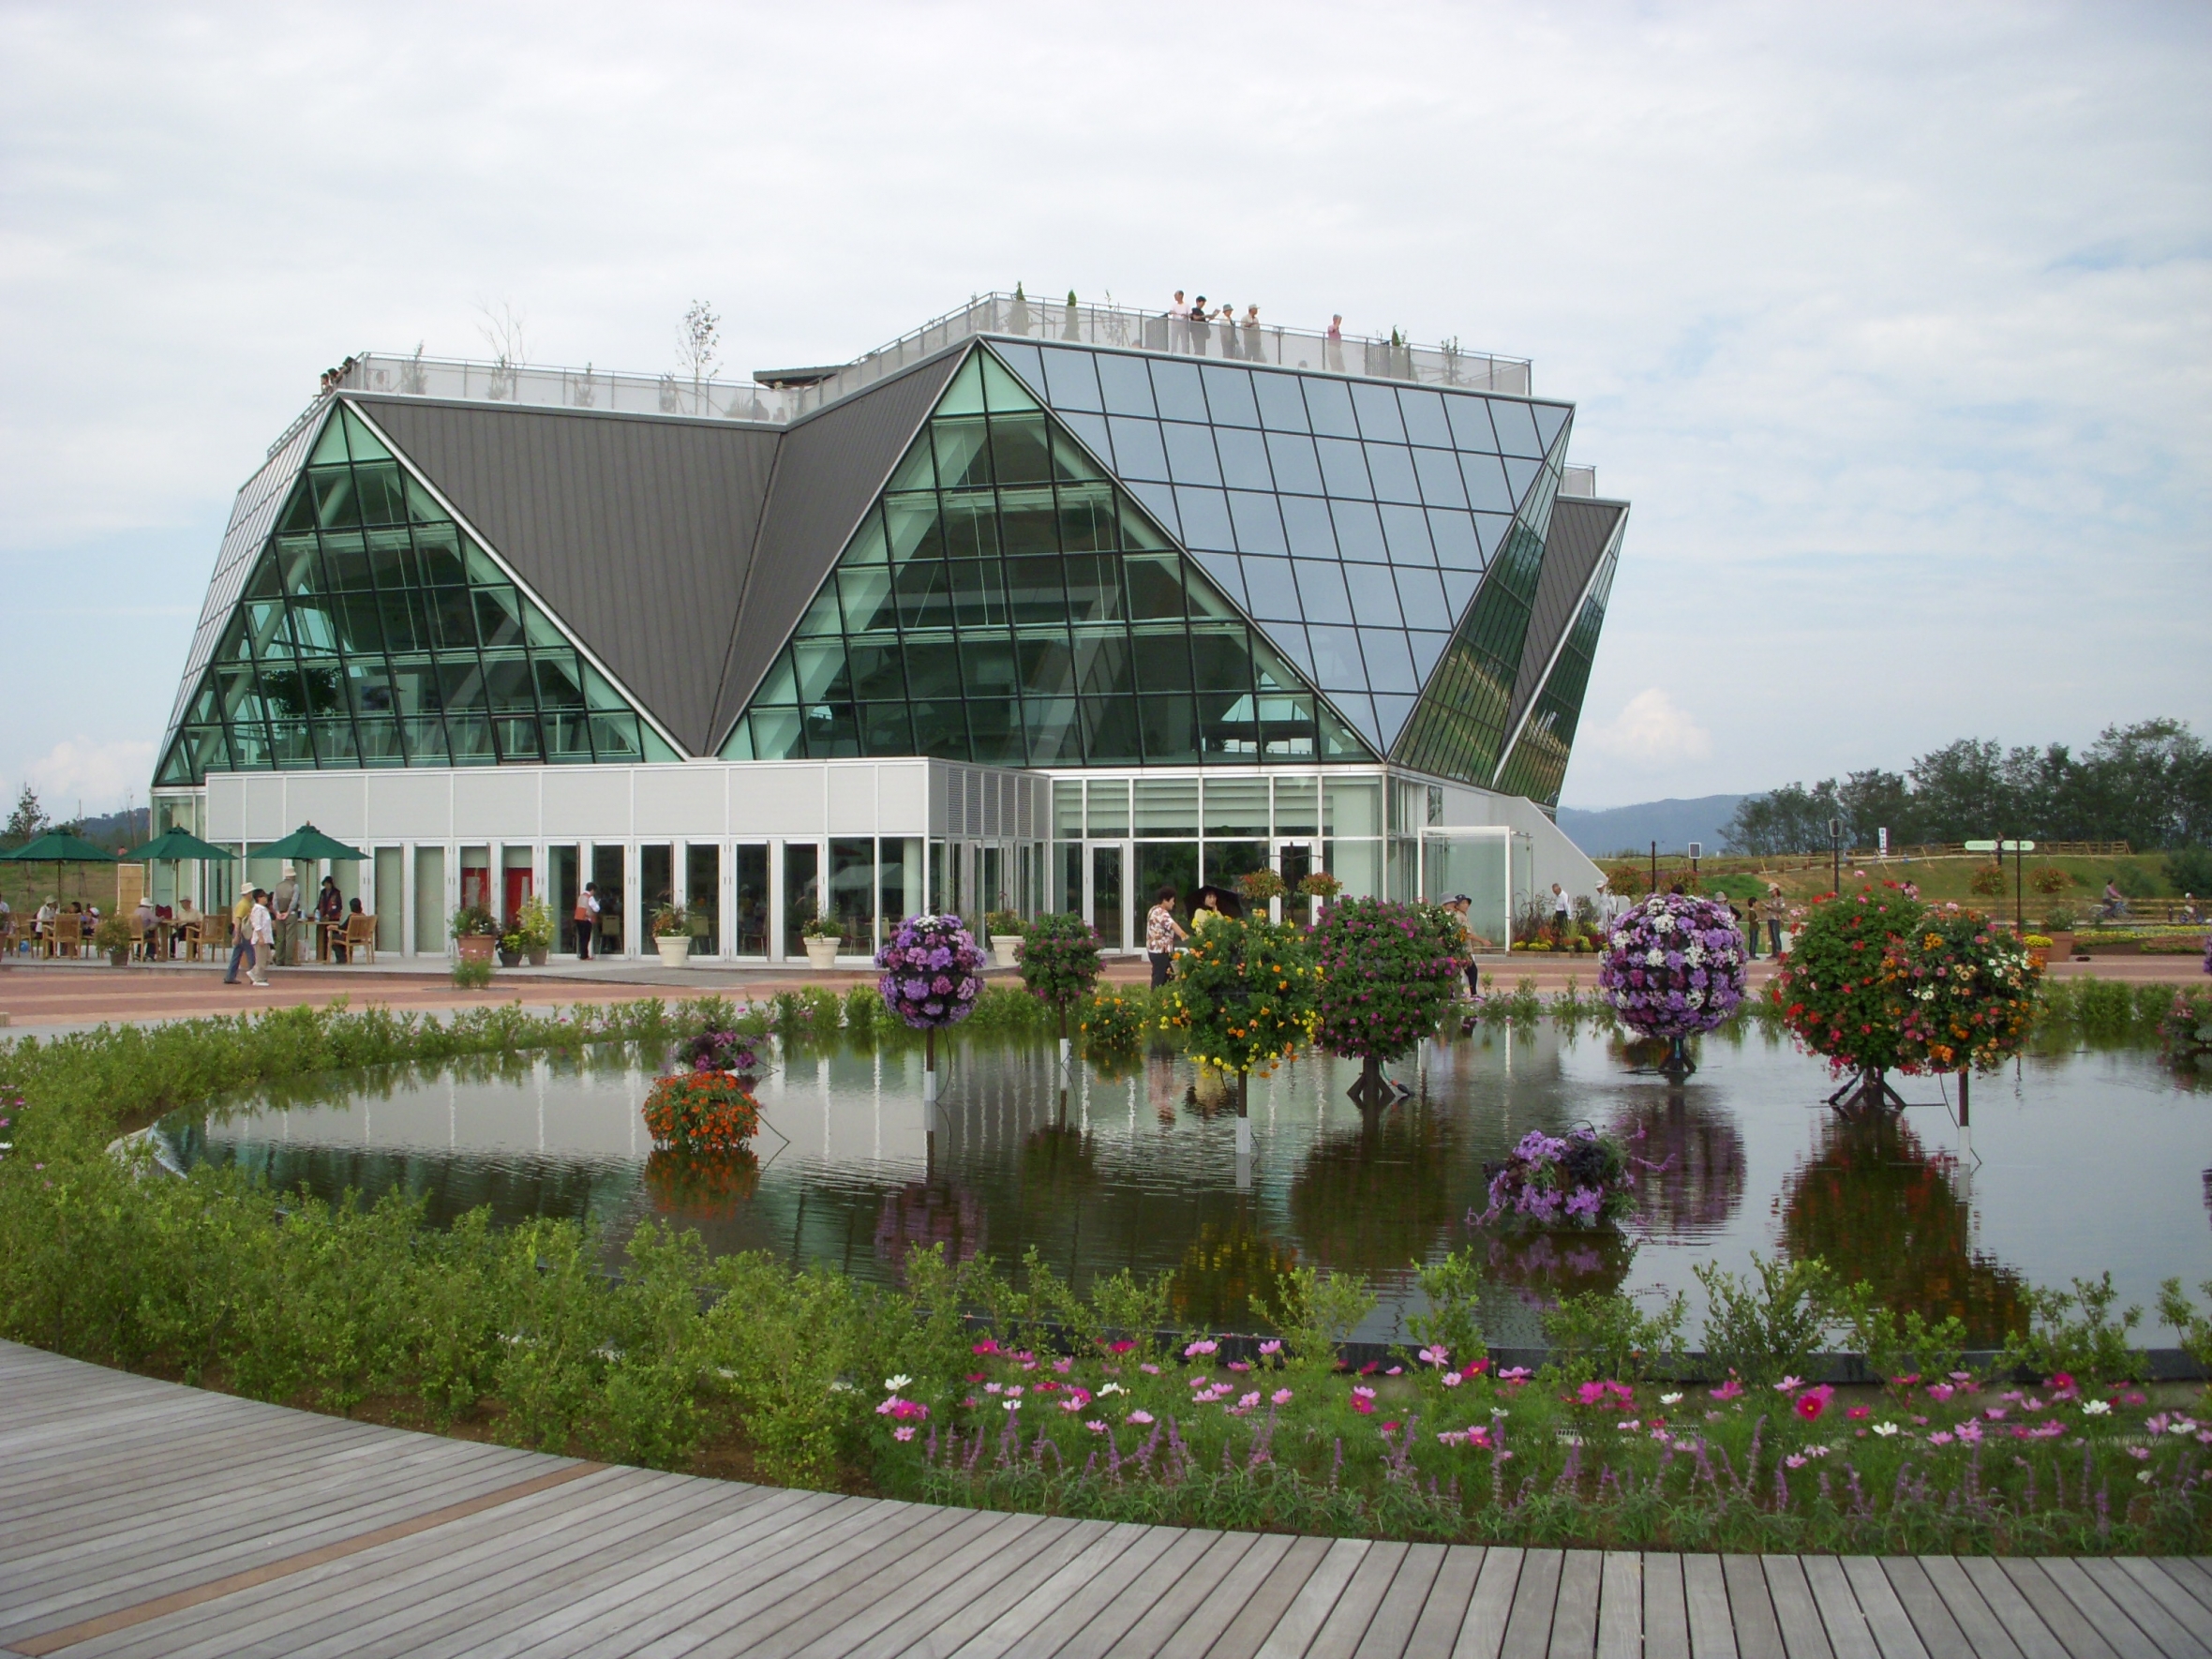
column 1777, row 910
column 241, row 939
column 262, row 929
column 1460, row 908
column 1562, row 911
column 1163, row 933
column 587, row 918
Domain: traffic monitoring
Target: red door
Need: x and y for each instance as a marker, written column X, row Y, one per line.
column 518, row 891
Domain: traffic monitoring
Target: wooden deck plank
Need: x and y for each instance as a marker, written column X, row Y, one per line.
column 1705, row 1595
column 2169, row 1590
column 1346, row 1625
column 882, row 1620
column 1011, row 1626
column 1796, row 1614
column 1984, row 1632
column 1438, row 1628
column 948, row 1634
column 1399, row 1611
column 2118, row 1631
column 1574, row 1609
column 1885, row 1617
column 1310, row 1610
column 1666, row 1613
column 2010, row 1608
column 1621, row 1606
column 1751, row 1609
column 2192, row 1577
column 1168, row 1619
column 2145, row 1610
column 1841, row 1616
column 1065, row 1604
column 1535, row 1599
column 1138, row 1597
column 1205, row 1623
column 2076, row 1637
column 1482, row 1633
column 1939, row 1632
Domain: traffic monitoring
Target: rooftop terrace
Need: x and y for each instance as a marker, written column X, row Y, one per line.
column 779, row 396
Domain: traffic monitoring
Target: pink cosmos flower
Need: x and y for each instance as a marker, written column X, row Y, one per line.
column 1814, row 1401
column 1281, row 1397
column 1139, row 1416
column 1240, row 1364
column 1939, row 1391
column 1122, row 1347
column 1794, row 1461
column 1790, row 1385
column 2141, row 1453
column 1271, row 1347
column 904, row 1432
column 1452, row 1379
column 1939, row 1439
column 1854, row 1412
column 1202, row 1346
column 1727, row 1390
column 1435, row 1355
column 1149, row 1370
column 1363, row 1400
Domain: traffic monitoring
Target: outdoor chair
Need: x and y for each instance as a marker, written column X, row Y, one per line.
column 361, row 930
column 69, row 936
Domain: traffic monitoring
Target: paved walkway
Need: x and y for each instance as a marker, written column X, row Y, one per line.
column 140, row 1518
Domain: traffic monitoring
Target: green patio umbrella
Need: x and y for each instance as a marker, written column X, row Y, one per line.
column 307, row 845
column 177, row 844
column 58, row 847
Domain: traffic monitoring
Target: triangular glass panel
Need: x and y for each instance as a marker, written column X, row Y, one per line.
column 1551, row 419
column 1222, row 567
column 1002, row 392
column 1360, row 710
column 1393, row 713
column 1428, row 649
column 1519, row 475
column 1490, row 529
column 329, row 448
column 361, row 440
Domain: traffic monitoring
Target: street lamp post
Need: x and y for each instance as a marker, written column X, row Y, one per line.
column 1835, row 848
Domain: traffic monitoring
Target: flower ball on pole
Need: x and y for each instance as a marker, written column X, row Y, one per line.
column 1673, row 967
column 930, row 978
column 1388, row 973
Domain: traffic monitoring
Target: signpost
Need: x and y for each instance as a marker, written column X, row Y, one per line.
column 2019, row 849
column 1835, row 848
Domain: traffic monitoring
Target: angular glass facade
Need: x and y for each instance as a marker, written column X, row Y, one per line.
column 1537, row 766
column 1353, row 521
column 1006, row 602
column 371, row 631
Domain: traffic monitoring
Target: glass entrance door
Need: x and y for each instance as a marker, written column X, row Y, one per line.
column 1294, row 861
column 1106, row 904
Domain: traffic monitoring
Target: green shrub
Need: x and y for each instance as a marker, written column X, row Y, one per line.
column 1060, row 963
column 1606, row 1335
column 1770, row 1323
column 472, row 975
column 2189, row 870
column 1899, row 1347
column 2073, row 1331
column 1453, row 1320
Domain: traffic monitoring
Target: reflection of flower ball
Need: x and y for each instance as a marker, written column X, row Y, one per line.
column 930, row 972
column 1688, row 1164
column 1673, row 965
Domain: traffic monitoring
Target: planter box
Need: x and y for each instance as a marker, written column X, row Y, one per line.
column 675, row 948
column 475, row 946
column 821, row 953
column 1003, row 947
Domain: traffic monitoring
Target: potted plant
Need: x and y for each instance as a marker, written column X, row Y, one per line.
column 1004, row 927
column 511, row 948
column 822, row 936
column 1260, row 888
column 475, row 933
column 113, row 936
column 672, row 935
column 1318, row 888
column 534, row 922
column 2058, row 922
column 1673, row 967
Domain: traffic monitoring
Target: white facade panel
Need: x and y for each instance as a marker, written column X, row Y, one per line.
column 903, row 798
column 495, row 803
column 777, row 800
column 586, row 802
column 851, row 796
column 332, row 801
column 409, row 806
column 677, row 800
column 263, row 818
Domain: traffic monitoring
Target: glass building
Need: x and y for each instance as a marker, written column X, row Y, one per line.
column 1038, row 608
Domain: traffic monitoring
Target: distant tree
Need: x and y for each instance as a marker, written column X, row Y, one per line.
column 27, row 822
column 697, row 343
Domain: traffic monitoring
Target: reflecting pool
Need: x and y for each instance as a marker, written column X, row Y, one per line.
column 2072, row 1164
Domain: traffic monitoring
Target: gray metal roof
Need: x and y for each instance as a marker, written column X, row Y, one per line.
column 832, row 464
column 637, row 530
column 1580, row 528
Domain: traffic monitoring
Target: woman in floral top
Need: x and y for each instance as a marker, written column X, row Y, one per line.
column 1163, row 933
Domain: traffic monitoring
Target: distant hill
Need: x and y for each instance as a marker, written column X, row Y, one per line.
column 1673, row 824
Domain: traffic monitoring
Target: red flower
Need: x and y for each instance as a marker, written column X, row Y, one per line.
column 1814, row 1401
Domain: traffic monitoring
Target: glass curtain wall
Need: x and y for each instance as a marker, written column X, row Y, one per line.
column 371, row 631
column 1005, row 603
column 1537, row 766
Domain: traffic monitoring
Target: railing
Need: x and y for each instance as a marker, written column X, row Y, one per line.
column 1577, row 481
column 998, row 314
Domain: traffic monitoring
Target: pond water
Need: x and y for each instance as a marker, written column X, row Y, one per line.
column 2072, row 1164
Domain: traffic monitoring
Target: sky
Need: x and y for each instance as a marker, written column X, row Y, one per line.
column 1895, row 323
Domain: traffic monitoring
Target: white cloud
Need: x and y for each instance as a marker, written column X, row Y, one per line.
column 104, row 776
column 1652, row 732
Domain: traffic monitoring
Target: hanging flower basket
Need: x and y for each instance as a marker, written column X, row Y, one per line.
column 930, row 969
column 1580, row 1179
column 1673, row 965
column 701, row 1110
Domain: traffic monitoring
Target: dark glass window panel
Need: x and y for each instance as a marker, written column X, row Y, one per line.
column 1321, row 590
column 819, row 667
column 1156, row 585
column 1270, row 588
column 1035, row 591
column 1159, row 500
column 1138, row 452
column 1454, row 534
column 1425, row 421
column 1205, row 519
column 1405, row 532
column 1162, row 660
column 251, row 749
column 915, row 528
column 1336, row 658
column 925, row 595
column 1422, row 593
column 1126, row 386
column 1102, row 664
column 1055, row 731
column 313, row 634
column 1244, row 459
column 1460, row 585
column 877, row 668
column 300, row 565
column 438, row 555
column 1374, row 596
column 1046, row 665
column 499, row 615
column 1296, row 468
column 451, row 616
column 1222, row 660
column 568, row 735
column 291, row 745
column 471, row 737
column 369, row 688
column 1228, row 397
column 336, row 507
column 1377, row 409
column 264, row 582
column 1220, row 572
column 1092, row 429
column 1312, row 535
column 987, row 667
column 354, row 615
column 1281, row 407
column 995, row 732
column 379, row 742
column 1392, row 469
column 964, row 453
column 1390, row 664
column 978, row 594
column 1487, row 488
column 558, row 683
column 940, row 728
column 1344, row 469
column 971, row 525
column 1516, row 431
column 886, row 729
column 345, row 563
column 1442, row 483
column 1288, row 730
column 1175, row 385
column 1086, row 521
column 1206, row 587
column 779, row 735
column 1094, row 589
column 460, row 685
column 821, row 616
column 832, row 732
column 1428, row 649
column 422, row 507
column 1549, row 418
column 1359, row 531
column 417, row 688
column 517, row 738
column 1328, row 405
column 1111, row 732
column 1258, row 522
column 1170, row 730
column 932, row 668
column 1471, row 422
column 1070, row 379
column 866, row 592
column 1190, row 453
column 383, row 498
column 1020, row 451
column 1520, row 476
column 299, row 510
column 1229, row 727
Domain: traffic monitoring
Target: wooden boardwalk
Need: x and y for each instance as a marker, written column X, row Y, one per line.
column 139, row 1517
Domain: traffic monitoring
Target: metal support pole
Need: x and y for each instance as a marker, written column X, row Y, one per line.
column 1965, row 1080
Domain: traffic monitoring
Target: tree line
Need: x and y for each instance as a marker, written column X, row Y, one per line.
column 2149, row 784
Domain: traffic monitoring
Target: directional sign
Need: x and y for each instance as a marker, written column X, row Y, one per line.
column 2006, row 847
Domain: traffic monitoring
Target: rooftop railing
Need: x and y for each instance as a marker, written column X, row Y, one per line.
column 790, row 396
